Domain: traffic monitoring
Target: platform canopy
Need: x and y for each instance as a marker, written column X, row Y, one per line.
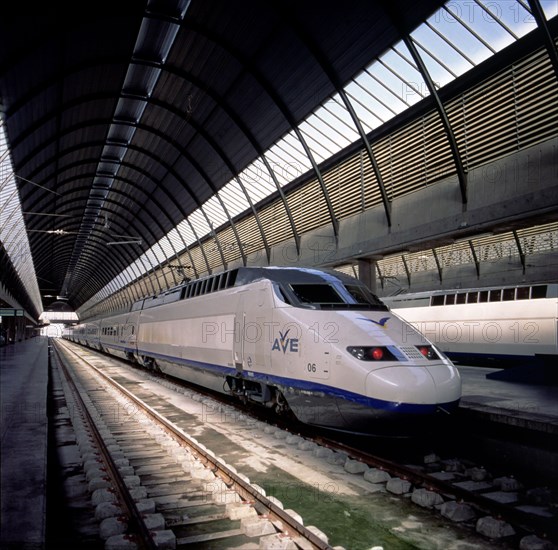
column 135, row 132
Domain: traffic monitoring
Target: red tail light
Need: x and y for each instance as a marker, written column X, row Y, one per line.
column 429, row 352
column 372, row 353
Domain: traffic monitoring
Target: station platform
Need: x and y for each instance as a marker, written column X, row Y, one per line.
column 533, row 407
column 23, row 450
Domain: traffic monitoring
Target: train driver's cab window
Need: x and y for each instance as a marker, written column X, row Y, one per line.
column 495, row 295
column 316, row 294
column 363, row 296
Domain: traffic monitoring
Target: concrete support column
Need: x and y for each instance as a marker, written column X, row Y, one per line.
column 367, row 273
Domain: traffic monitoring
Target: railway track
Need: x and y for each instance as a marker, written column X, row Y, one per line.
column 458, row 489
column 154, row 486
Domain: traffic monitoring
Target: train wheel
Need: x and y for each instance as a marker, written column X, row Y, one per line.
column 281, row 407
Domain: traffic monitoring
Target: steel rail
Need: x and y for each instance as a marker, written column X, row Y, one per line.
column 136, row 525
column 209, row 460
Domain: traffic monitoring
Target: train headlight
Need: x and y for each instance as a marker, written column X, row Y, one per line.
column 371, row 353
column 428, row 352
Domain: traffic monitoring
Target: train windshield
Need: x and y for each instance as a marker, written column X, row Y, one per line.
column 326, row 296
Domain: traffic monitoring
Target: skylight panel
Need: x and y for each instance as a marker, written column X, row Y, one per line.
column 186, row 232
column 167, row 246
column 320, row 144
column 511, row 15
column 13, row 234
column 363, row 105
column 199, row 223
column 290, row 152
column 336, row 115
column 234, row 197
column 214, row 210
column 257, row 181
column 399, row 61
column 174, row 237
column 449, row 22
column 392, row 91
column 550, row 8
column 440, row 58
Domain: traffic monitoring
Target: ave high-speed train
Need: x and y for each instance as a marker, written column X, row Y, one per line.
column 498, row 326
column 313, row 342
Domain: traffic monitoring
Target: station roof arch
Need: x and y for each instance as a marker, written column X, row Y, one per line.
column 147, row 142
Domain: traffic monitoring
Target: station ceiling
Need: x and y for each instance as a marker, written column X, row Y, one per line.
column 124, row 121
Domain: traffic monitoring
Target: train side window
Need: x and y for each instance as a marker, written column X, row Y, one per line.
column 472, row 297
column 231, row 278
column 509, row 294
column 461, row 298
column 538, row 291
column 495, row 295
column 483, row 296
column 437, row 300
column 450, row 299
column 522, row 293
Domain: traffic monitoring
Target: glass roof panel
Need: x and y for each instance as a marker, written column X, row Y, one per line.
column 321, row 146
column 13, row 234
column 257, row 181
column 186, row 232
column 159, row 253
column 235, row 199
column 393, row 90
column 363, row 104
column 511, row 15
column 336, row 115
column 550, row 8
column 214, row 210
column 199, row 223
column 167, row 246
column 288, row 154
column 449, row 23
column 440, row 65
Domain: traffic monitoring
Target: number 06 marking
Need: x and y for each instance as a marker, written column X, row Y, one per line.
column 311, row 367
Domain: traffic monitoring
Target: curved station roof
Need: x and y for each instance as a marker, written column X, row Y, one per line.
column 171, row 139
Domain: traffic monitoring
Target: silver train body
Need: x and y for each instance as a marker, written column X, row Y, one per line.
column 313, row 342
column 502, row 325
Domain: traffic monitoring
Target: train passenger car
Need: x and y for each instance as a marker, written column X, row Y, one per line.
column 313, row 342
column 490, row 326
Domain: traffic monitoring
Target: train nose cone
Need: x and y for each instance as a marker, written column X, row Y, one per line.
column 402, row 385
column 448, row 382
column 415, row 384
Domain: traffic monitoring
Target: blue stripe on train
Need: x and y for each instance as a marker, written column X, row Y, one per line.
column 294, row 385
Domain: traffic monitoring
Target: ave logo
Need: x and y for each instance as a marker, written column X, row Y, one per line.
column 285, row 344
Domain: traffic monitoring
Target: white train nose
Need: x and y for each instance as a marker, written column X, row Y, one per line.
column 414, row 384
